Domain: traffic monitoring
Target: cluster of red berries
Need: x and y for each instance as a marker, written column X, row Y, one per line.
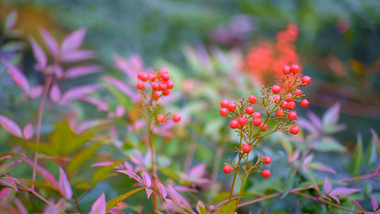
column 159, row 82
column 266, row 160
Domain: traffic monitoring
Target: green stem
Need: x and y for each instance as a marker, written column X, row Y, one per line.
column 154, row 175
column 237, row 168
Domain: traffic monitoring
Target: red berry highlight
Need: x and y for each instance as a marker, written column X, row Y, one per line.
column 155, row 86
column 298, row 92
column 306, row 80
column 257, row 115
column 231, row 106
column 161, row 118
column 140, row 85
column 163, row 86
column 256, row 121
column 223, row 112
column 246, row 148
column 304, row 103
column 252, row 99
column 165, row 76
column 227, row 169
column 279, row 113
column 166, row 92
column 265, row 173
column 263, row 128
column 224, row 103
column 176, row 117
column 267, row 160
column 242, row 121
column 234, row 124
column 276, row 98
column 156, row 95
column 276, row 89
column 294, row 130
column 294, row 69
column 292, row 115
column 249, row 110
column 286, row 70
column 170, row 84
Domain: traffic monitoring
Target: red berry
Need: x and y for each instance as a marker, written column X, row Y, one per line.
column 292, row 115
column 286, row 70
column 263, row 128
column 223, row 112
column 140, row 85
column 306, row 80
column 166, row 92
column 267, row 160
column 139, row 74
column 252, row 99
column 161, row 118
column 234, row 124
column 288, row 97
column 144, row 77
column 170, row 84
column 165, row 77
column 294, row 130
column 232, row 106
column 279, row 113
column 176, row 117
column 298, row 92
column 291, row 105
column 163, row 70
column 249, row 110
column 276, row 98
column 152, row 76
column 155, row 86
column 294, row 69
column 224, row 103
column 284, row 104
column 156, row 95
column 304, row 103
column 256, row 121
column 276, row 89
column 227, row 169
column 265, row 173
column 242, row 121
column 257, row 115
column 163, row 86
column 246, row 147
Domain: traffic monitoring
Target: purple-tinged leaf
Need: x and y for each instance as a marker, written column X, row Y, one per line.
column 10, row 126
column 21, row 208
column 307, row 125
column 43, row 172
column 197, row 171
column 148, row 192
column 6, row 195
column 115, row 210
column 73, row 41
column 78, row 92
column 28, row 131
column 374, row 203
column 132, row 175
column 104, row 163
column 331, row 117
column 8, row 166
column 50, row 42
column 36, row 92
column 327, row 186
column 177, row 198
column 306, row 162
column 64, row 184
column 335, row 198
column 162, row 190
column 99, row 206
column 357, row 204
column 11, row 20
column 39, row 54
column 146, row 179
column 118, row 200
column 121, row 86
column 294, row 156
column 322, row 167
column 315, row 120
column 76, row 56
column 9, row 182
column 17, row 76
column 78, row 71
column 343, row 191
column 55, row 93
column 316, row 187
column 101, row 106
column 120, row 111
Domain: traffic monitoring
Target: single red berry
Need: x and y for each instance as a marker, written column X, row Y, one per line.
column 144, row 77
column 304, row 103
column 155, row 86
column 306, row 80
column 140, row 85
column 242, row 121
column 227, row 169
column 161, row 118
column 164, row 71
column 263, row 128
column 176, row 117
column 257, row 115
column 265, row 173
column 286, row 70
column 163, row 86
column 298, row 92
column 223, row 112
column 165, row 76
column 166, row 92
column 246, row 147
column 288, row 97
column 291, row 105
column 292, row 115
column 249, row 110
column 224, row 103
column 139, row 74
column 152, row 76
column 276, row 98
column 156, row 95
column 294, row 130
column 256, row 121
column 276, row 89
column 170, row 84
column 294, row 69
column 234, row 124
column 284, row 104
column 231, row 106
column 267, row 160
column 252, row 99
column 279, row 113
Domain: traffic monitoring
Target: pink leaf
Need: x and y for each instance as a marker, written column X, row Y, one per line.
column 36, row 92
column 73, row 41
column 78, row 92
column 102, row 106
column 120, row 85
column 82, row 71
column 132, row 175
column 76, row 56
column 162, row 190
column 28, row 131
column 10, row 126
column 120, row 111
column 43, row 172
column 344, row 191
column 99, row 206
column 17, row 76
column 104, row 163
column 357, row 204
column 9, row 182
column 39, row 54
column 146, row 178
column 322, row 167
column 148, row 192
column 197, row 171
column 50, row 42
column 64, row 184
column 115, row 210
column 374, row 203
column 327, row 186
column 335, row 198
column 55, row 93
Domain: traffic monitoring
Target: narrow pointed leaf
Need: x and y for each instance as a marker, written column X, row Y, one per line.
column 38, row 53
column 327, row 186
column 78, row 71
column 374, row 203
column 99, row 206
column 73, row 41
column 17, row 76
column 10, row 126
column 343, row 191
column 50, row 42
column 28, row 131
column 64, row 184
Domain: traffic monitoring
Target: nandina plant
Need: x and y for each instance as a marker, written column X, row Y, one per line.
column 255, row 118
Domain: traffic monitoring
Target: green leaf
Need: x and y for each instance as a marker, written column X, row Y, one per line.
column 8, row 166
column 372, row 149
column 42, row 147
column 201, row 209
column 105, row 172
column 112, row 203
column 291, row 182
column 358, row 155
column 286, row 144
column 328, row 144
column 229, row 208
column 82, row 157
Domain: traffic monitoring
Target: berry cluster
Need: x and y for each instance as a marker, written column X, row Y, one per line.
column 251, row 126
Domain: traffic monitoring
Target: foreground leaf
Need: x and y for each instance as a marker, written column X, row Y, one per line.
column 114, row 202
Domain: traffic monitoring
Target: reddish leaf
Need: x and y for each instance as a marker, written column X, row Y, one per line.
column 101, row 106
column 99, row 206
column 132, row 175
column 162, row 190
column 73, row 41
column 374, row 203
column 357, row 204
column 197, row 171
column 82, row 71
column 104, row 163
column 120, row 85
column 76, row 56
column 146, row 179
column 64, row 184
column 9, row 182
column 327, row 186
column 17, row 76
column 148, row 192
column 28, row 131
column 335, row 198
column 344, row 191
column 115, row 210
column 39, row 54
column 10, row 126
column 43, row 172
column 78, row 92
column 55, row 93
column 36, row 92
column 50, row 42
